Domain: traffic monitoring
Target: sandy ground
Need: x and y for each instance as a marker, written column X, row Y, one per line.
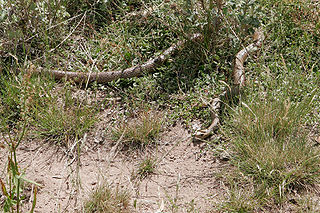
column 184, row 179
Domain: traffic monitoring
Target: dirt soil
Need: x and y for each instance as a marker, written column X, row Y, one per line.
column 184, row 180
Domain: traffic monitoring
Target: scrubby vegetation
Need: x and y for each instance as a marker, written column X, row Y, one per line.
column 269, row 129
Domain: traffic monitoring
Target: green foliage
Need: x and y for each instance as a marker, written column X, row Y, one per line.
column 28, row 28
column 56, row 117
column 123, row 43
column 267, row 132
column 101, row 13
column 10, row 102
column 107, row 200
column 295, row 34
column 19, row 93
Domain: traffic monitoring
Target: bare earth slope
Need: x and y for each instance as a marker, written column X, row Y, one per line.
column 184, row 179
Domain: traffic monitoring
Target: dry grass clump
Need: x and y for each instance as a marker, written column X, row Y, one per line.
column 107, row 200
column 272, row 148
column 141, row 131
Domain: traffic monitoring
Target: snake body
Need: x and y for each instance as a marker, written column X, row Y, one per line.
column 238, row 70
column 135, row 71
column 238, row 75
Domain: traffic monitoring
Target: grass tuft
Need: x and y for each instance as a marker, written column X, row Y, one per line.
column 107, row 200
column 64, row 119
column 146, row 167
column 141, row 131
column 271, row 146
column 239, row 200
